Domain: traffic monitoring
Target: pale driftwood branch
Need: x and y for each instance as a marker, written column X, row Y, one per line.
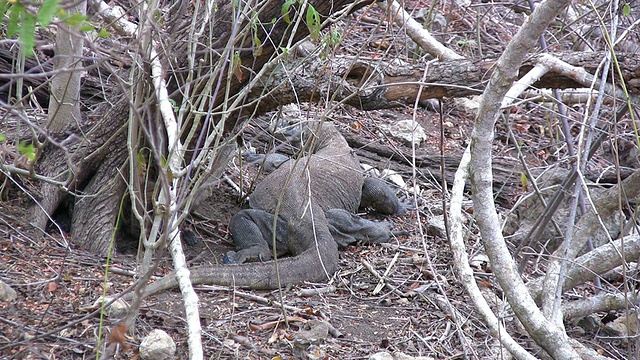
column 376, row 84
column 417, row 32
column 546, row 333
column 316, row 291
column 585, row 352
column 589, row 223
column 599, row 302
column 464, row 271
column 168, row 199
column 383, row 280
column 253, row 297
column 596, row 262
column 169, row 196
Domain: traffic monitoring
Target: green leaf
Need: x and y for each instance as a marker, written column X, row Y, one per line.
column 257, row 46
column 46, row 12
column 85, row 27
column 467, row 42
column 236, row 66
column 74, row 19
column 163, row 161
column 28, row 150
column 28, row 33
column 141, row 160
column 626, row 10
column 334, row 38
column 285, row 10
column 524, row 180
column 103, row 33
column 15, row 12
column 2, row 138
column 313, row 22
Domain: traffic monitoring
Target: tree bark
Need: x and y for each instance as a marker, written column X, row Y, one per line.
column 98, row 156
column 64, row 103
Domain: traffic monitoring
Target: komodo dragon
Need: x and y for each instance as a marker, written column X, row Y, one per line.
column 319, row 194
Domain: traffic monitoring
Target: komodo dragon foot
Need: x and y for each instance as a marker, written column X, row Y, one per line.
column 251, row 231
column 347, row 228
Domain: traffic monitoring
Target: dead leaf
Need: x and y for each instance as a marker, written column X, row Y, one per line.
column 52, row 286
column 118, row 336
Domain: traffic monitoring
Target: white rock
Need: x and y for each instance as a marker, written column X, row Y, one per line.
column 158, row 345
column 480, row 262
column 402, row 356
column 381, row 356
column 436, row 226
column 397, row 356
column 395, row 178
column 368, row 169
column 7, row 293
column 117, row 310
column 468, row 105
column 407, row 131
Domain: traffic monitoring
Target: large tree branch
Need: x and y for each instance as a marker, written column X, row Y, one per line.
column 546, row 333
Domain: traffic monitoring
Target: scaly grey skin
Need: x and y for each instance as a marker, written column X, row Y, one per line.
column 328, row 179
column 377, row 195
column 269, row 162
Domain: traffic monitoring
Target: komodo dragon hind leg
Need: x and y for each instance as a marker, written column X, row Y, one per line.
column 252, row 232
column 347, row 228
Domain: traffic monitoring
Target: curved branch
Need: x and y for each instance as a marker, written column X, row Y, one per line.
column 464, row 271
column 549, row 336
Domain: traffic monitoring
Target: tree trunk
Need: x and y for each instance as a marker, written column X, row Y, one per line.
column 64, row 103
column 99, row 156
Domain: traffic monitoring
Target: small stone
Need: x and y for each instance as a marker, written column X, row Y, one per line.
column 316, row 332
column 394, row 177
column 158, row 345
column 117, row 310
column 7, row 293
column 590, row 323
column 615, row 328
column 436, row 227
column 381, row 356
column 407, row 131
column 402, row 356
column 618, row 327
column 480, row 262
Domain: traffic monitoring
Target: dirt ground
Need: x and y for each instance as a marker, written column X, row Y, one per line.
column 419, row 308
column 402, row 296
column 412, row 313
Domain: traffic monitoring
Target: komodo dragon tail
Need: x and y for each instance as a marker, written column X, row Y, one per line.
column 316, row 264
